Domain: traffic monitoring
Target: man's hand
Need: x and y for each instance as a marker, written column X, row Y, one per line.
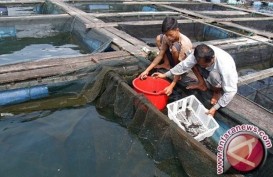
column 143, row 75
column 212, row 111
column 158, row 75
column 168, row 90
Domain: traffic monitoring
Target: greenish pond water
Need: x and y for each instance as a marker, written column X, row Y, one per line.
column 73, row 142
column 28, row 49
column 115, row 7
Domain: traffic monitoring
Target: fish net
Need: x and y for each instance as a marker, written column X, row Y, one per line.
column 107, row 87
column 260, row 92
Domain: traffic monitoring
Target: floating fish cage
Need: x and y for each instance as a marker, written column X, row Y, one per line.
column 259, row 92
column 44, row 38
column 262, row 25
column 28, row 9
column 256, row 56
column 89, row 93
column 139, row 16
column 114, row 7
column 214, row 10
column 196, row 32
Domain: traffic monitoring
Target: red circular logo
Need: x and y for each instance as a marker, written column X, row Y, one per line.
column 245, row 152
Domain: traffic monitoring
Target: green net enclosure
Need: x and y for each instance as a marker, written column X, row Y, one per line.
column 108, row 87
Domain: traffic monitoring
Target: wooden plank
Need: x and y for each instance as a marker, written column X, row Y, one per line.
column 226, row 13
column 8, row 2
column 188, row 12
column 67, row 100
column 116, row 39
column 126, row 36
column 83, row 16
column 66, row 78
column 44, row 63
column 35, row 17
column 158, row 3
column 255, row 76
column 38, row 73
column 243, row 19
column 127, row 14
column 58, row 70
column 252, row 113
column 235, row 42
column 215, row 20
column 244, row 10
column 136, row 45
column 262, row 33
column 136, row 23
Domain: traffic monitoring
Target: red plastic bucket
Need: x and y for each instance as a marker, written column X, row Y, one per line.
column 153, row 88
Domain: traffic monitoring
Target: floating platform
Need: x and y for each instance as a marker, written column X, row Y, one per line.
column 114, row 33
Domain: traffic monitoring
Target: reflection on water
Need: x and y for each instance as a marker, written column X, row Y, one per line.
column 71, row 142
column 26, row 49
column 116, row 7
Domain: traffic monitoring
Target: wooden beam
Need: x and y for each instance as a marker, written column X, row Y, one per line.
column 125, row 41
column 135, row 23
column 215, row 20
column 242, row 9
column 44, row 63
column 157, row 3
column 250, row 112
column 127, row 14
column 188, row 12
column 73, row 11
column 35, row 17
column 60, row 70
column 255, row 76
column 262, row 33
column 243, row 19
column 226, row 13
column 9, row 2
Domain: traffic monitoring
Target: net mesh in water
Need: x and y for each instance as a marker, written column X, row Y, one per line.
column 164, row 141
column 260, row 92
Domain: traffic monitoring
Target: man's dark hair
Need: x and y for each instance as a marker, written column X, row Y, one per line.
column 169, row 23
column 203, row 51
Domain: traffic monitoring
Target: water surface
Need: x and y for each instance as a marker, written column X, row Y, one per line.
column 72, row 142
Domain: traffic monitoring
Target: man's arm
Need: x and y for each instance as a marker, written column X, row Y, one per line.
column 169, row 90
column 229, row 85
column 183, row 66
column 179, row 69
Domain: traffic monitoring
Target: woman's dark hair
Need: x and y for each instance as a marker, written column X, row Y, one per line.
column 169, row 23
column 203, row 51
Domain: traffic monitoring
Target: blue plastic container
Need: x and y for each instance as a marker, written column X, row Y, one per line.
column 21, row 95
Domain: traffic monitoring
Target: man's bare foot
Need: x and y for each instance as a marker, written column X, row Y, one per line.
column 215, row 97
column 163, row 66
column 201, row 87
